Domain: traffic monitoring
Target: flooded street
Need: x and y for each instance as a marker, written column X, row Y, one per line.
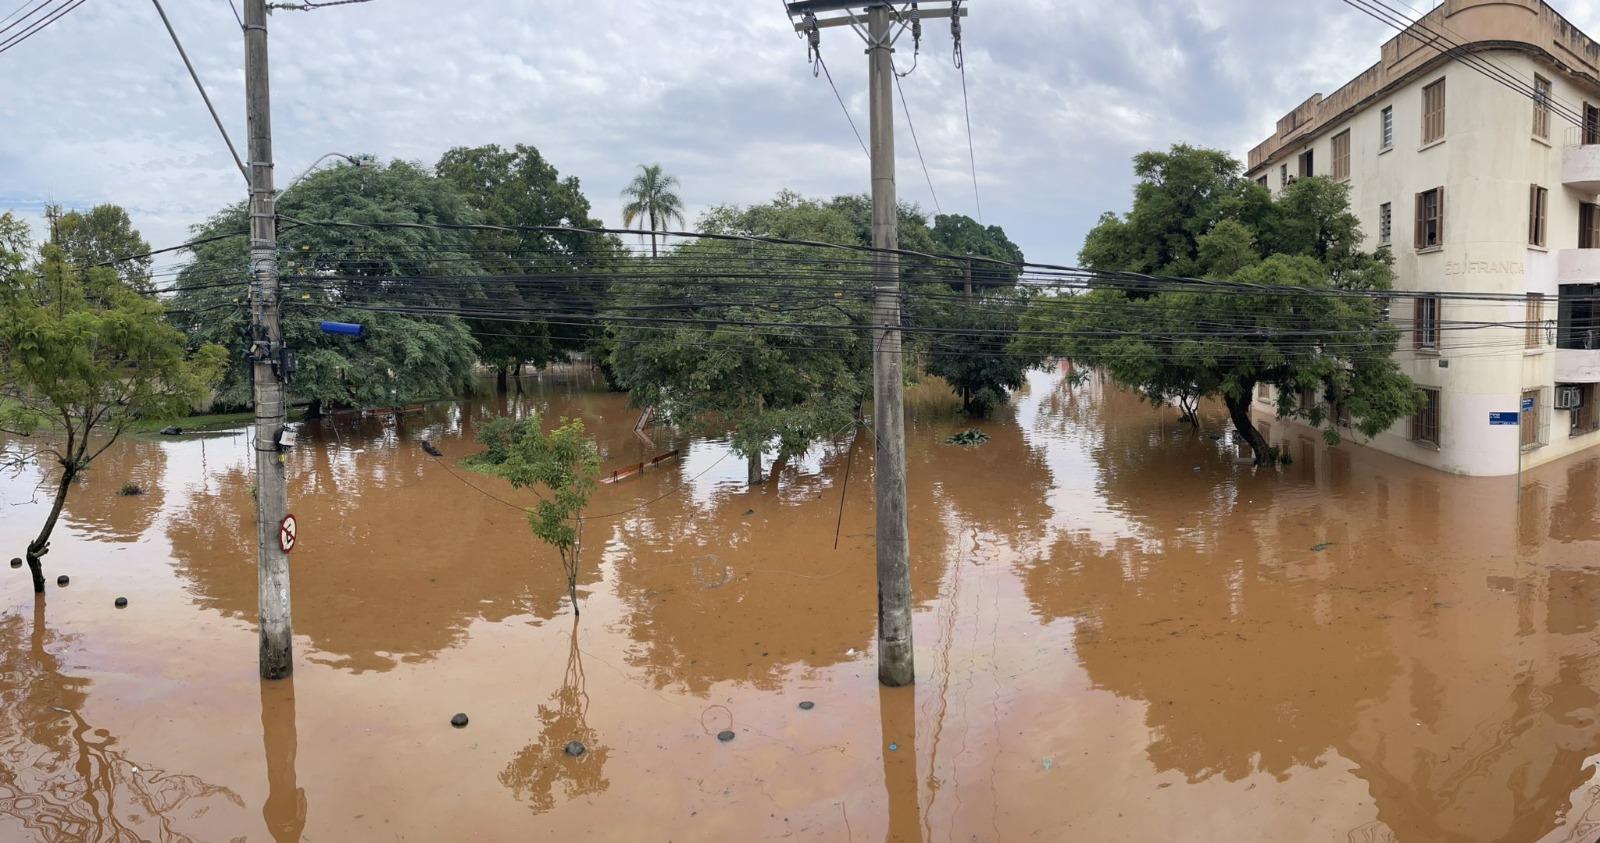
column 1121, row 634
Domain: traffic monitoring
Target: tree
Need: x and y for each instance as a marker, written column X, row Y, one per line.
column 99, row 236
column 652, row 196
column 979, row 364
column 565, row 463
column 798, row 378
column 82, row 357
column 390, row 280
column 519, row 188
column 1305, row 310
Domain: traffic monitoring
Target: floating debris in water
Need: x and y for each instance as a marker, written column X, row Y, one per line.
column 807, row 705
column 894, row 747
column 16, row 562
column 130, row 490
column 1318, row 548
column 459, row 721
column 968, row 438
column 725, row 735
column 63, row 580
column 576, row 749
column 1049, row 762
column 121, row 602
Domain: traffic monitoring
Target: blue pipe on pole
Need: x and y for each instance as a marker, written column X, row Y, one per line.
column 346, row 328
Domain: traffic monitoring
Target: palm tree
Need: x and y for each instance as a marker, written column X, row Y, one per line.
column 652, row 197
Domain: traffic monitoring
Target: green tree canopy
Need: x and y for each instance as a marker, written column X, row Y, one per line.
column 82, row 357
column 560, row 272
column 377, row 277
column 1312, row 319
column 98, row 236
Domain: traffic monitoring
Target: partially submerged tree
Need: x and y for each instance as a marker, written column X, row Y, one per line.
column 1281, row 293
column 562, row 467
column 83, row 357
column 976, row 359
column 799, row 377
column 519, row 189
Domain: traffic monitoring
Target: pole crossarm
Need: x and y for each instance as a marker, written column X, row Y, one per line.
column 846, row 20
column 803, row 8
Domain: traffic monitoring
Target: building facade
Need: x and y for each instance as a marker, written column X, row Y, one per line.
column 1485, row 189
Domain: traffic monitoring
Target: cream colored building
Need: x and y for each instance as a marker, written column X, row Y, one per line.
column 1482, row 189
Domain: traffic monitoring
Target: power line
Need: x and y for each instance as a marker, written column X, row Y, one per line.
column 966, row 107
column 906, row 106
column 202, row 89
column 37, row 27
column 1397, row 20
column 829, row 76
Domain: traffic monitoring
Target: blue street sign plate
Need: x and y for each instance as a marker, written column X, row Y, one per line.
column 1502, row 418
column 1527, row 405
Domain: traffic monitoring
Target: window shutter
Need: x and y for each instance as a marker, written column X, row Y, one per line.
column 1440, row 240
column 1419, row 222
column 1533, row 215
column 1416, row 322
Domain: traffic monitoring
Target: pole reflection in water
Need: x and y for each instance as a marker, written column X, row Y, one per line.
column 285, row 808
column 897, row 709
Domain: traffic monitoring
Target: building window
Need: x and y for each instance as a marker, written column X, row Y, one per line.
column 1385, row 224
column 1532, row 421
column 1591, row 124
column 1430, row 218
column 1386, row 137
column 1535, row 320
column 1341, row 155
column 1307, row 168
column 1588, row 225
column 1425, row 424
column 1578, row 317
column 1283, row 174
column 1262, row 181
column 1433, row 112
column 1263, row 392
column 1538, row 197
column 1541, row 107
column 1425, row 321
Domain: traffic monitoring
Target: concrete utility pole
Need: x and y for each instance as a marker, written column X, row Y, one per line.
column 896, row 664
column 271, row 362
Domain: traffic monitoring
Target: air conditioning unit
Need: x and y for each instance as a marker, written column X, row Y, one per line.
column 1569, row 398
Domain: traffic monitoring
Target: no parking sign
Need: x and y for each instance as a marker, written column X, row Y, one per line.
column 288, row 533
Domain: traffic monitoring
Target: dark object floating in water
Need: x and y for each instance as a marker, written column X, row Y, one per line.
column 130, row 490
column 16, row 562
column 63, row 580
column 459, row 721
column 432, row 451
column 171, row 430
column 1318, row 548
column 807, row 705
column 725, row 735
column 576, row 748
column 122, row 602
column 969, row 438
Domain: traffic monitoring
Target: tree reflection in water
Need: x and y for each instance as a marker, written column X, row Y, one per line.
column 62, row 779
column 536, row 770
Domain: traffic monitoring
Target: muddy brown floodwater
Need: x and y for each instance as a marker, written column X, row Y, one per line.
column 1121, row 634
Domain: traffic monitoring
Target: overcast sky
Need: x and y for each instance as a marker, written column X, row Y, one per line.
column 98, row 108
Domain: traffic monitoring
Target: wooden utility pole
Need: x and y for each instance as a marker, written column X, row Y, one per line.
column 896, row 665
column 271, row 362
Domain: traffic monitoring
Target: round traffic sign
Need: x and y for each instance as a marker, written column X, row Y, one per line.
column 288, row 533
